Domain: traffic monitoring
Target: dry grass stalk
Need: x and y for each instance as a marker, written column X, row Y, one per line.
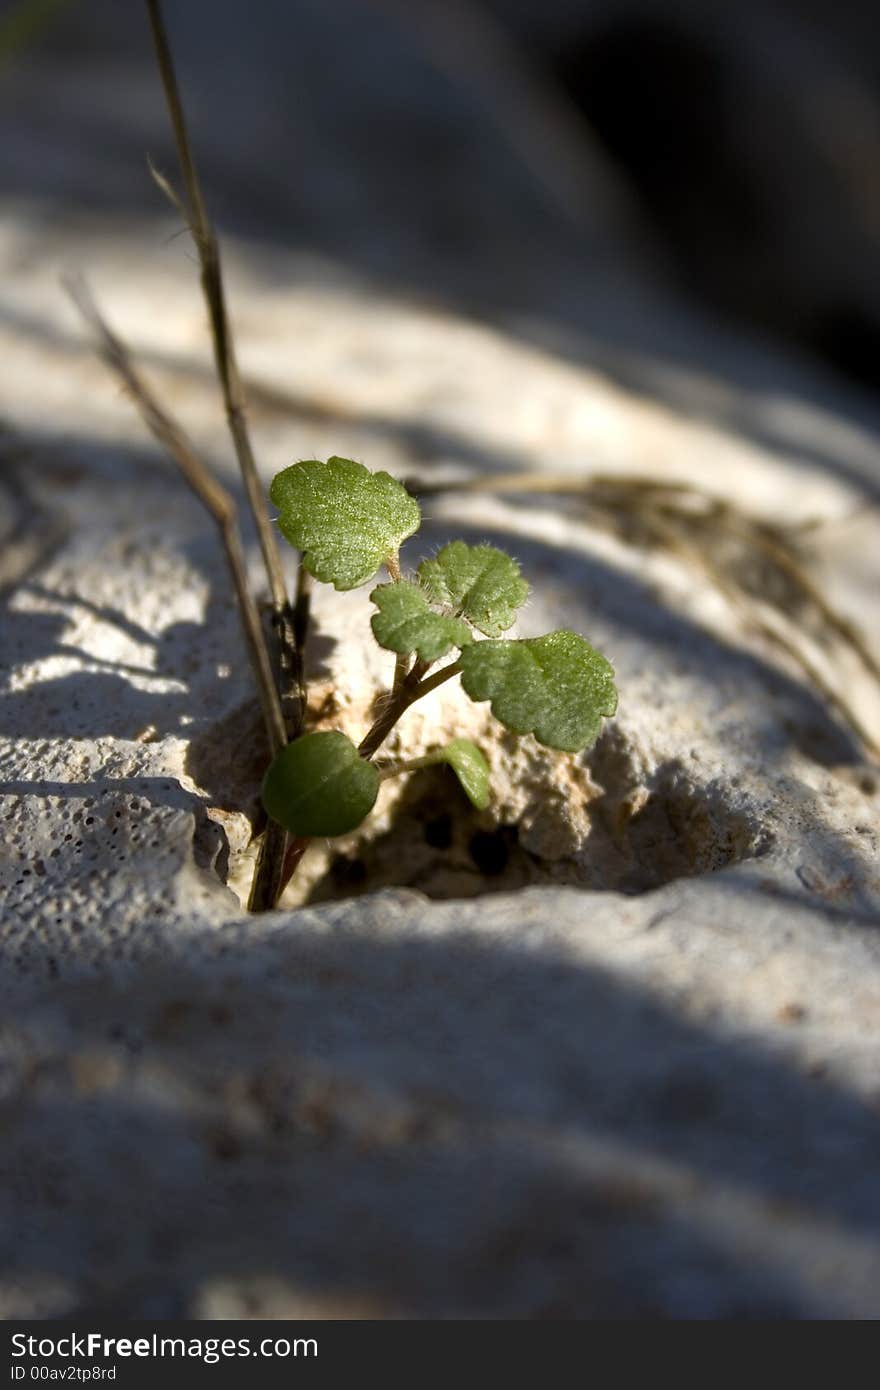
column 213, row 496
column 290, row 621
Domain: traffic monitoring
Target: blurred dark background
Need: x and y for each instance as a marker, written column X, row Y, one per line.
column 750, row 136
column 729, row 152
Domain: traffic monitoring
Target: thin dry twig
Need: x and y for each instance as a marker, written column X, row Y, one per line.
column 287, row 620
column 213, row 496
column 290, row 622
column 215, row 298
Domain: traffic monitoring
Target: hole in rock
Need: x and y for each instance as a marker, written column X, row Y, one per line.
column 619, row 829
column 639, row 835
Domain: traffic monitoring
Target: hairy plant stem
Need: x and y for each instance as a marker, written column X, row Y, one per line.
column 302, row 613
column 399, row 701
column 401, row 671
column 402, row 659
column 388, row 770
column 278, row 854
column 268, row 881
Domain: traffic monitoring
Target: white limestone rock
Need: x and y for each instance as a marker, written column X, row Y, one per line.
column 610, row 1049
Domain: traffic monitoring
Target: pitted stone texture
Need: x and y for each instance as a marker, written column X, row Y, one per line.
column 654, row 1094
column 555, row 1102
column 546, row 1104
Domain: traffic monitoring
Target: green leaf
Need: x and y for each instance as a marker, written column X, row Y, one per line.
column 318, row 785
column 555, row 687
column 478, row 582
column 346, row 520
column 407, row 623
column 471, row 769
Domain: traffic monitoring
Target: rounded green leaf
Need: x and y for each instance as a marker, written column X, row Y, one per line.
column 471, row 769
column 346, row 520
column 407, row 623
column 318, row 785
column 478, row 582
column 556, row 687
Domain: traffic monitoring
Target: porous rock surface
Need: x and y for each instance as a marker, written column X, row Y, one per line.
column 610, row 1050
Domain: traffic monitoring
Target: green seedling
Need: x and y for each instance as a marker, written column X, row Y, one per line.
column 348, row 523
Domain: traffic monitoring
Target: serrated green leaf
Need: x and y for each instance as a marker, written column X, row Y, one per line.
column 318, row 785
column 406, row 622
column 346, row 520
column 478, row 582
column 471, row 769
column 556, row 687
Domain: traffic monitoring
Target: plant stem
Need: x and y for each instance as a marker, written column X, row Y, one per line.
column 302, row 612
column 401, row 660
column 412, row 689
column 401, row 671
column 444, row 674
column 268, row 881
column 389, row 770
column 295, row 852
